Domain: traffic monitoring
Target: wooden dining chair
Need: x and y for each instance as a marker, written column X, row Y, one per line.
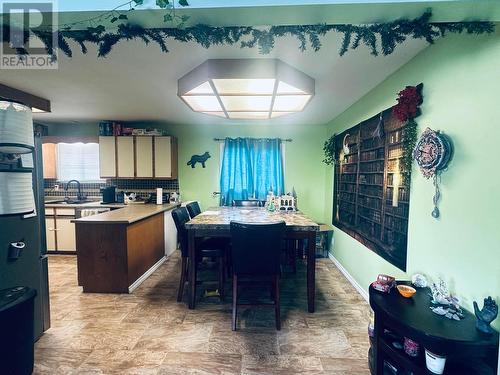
column 193, row 209
column 247, row 203
column 203, row 249
column 256, row 250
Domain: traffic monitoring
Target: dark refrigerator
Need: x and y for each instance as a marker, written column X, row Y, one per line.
column 31, row 268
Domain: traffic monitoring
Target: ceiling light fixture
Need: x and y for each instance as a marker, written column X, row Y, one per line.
column 246, row 89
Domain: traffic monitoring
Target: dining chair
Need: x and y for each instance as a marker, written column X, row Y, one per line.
column 256, row 250
column 193, row 209
column 247, row 203
column 203, row 249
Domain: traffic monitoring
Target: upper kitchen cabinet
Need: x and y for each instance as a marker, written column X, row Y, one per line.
column 144, row 157
column 49, row 160
column 125, row 157
column 165, row 160
column 138, row 157
column 107, row 157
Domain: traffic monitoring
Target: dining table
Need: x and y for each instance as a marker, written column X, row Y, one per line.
column 215, row 222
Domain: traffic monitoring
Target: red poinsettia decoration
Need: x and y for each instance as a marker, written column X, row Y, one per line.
column 409, row 100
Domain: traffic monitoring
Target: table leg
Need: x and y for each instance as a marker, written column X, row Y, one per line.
column 311, row 270
column 192, row 267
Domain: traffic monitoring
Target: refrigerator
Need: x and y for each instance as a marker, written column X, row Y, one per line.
column 31, row 268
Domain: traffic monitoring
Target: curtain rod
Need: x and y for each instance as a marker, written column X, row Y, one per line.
column 282, row 140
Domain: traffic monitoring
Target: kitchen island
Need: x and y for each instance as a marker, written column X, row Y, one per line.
column 118, row 250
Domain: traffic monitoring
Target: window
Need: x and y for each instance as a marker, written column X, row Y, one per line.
column 78, row 161
column 250, row 168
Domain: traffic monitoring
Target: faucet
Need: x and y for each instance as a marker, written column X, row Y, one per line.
column 79, row 195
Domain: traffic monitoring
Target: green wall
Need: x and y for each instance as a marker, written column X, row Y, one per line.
column 461, row 76
column 303, row 167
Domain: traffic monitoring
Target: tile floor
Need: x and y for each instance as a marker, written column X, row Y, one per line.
column 148, row 332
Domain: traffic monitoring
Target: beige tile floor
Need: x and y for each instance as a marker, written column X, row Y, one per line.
column 148, row 332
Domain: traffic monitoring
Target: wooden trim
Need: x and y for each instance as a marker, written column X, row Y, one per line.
column 134, row 147
column 25, row 98
column 69, row 139
column 174, row 158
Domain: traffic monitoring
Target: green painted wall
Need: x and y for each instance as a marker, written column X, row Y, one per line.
column 461, row 77
column 303, row 167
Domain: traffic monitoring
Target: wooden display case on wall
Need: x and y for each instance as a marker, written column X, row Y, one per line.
column 371, row 200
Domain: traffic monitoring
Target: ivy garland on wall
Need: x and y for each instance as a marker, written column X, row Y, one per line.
column 381, row 38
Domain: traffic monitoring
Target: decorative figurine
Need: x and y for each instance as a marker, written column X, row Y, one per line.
column 432, row 153
column 486, row 315
column 384, row 283
column 444, row 303
column 199, row 159
column 419, row 280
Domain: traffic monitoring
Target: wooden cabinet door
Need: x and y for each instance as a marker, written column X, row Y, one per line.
column 66, row 240
column 144, row 156
column 125, row 156
column 49, row 160
column 163, row 157
column 107, row 157
column 50, row 233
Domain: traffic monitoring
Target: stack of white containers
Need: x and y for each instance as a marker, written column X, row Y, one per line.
column 16, row 138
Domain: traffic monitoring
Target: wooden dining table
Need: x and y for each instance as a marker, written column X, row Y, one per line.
column 215, row 222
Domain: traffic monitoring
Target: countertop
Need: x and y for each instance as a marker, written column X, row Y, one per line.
column 127, row 215
column 91, row 204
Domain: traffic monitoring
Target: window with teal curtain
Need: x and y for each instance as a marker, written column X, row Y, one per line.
column 250, row 168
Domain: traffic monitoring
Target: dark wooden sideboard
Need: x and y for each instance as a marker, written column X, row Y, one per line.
column 468, row 351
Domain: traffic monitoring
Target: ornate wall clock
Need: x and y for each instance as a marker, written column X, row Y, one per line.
column 432, row 153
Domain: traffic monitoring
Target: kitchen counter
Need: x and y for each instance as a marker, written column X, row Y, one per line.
column 119, row 249
column 128, row 214
column 91, row 204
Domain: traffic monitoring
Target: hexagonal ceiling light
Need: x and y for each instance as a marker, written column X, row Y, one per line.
column 246, row 89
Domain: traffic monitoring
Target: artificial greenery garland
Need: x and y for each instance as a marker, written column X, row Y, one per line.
column 329, row 150
column 380, row 37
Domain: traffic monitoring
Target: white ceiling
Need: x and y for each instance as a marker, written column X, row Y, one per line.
column 139, row 83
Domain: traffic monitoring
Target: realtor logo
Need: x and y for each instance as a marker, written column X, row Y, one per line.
column 23, row 25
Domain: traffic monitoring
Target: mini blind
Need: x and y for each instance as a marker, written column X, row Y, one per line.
column 78, row 161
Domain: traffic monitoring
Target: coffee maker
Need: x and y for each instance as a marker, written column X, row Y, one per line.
column 108, row 194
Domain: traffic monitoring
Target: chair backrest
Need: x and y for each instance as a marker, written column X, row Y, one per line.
column 193, row 209
column 247, row 203
column 256, row 248
column 181, row 217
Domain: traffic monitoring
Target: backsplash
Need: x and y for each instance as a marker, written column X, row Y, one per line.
column 143, row 187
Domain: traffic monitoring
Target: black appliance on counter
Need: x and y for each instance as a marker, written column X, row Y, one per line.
column 108, row 194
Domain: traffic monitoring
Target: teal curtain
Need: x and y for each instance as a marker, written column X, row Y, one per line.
column 250, row 168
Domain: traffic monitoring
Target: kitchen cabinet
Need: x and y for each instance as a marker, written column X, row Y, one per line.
column 59, row 229
column 125, row 157
column 165, row 165
column 65, row 234
column 50, row 233
column 138, row 157
column 144, row 157
column 107, row 157
column 49, row 160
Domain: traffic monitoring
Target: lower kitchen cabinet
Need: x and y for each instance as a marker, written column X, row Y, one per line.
column 50, row 227
column 60, row 231
column 65, row 234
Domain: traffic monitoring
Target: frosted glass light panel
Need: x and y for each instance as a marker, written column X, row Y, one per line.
column 244, row 86
column 16, row 128
column 16, row 193
column 246, row 89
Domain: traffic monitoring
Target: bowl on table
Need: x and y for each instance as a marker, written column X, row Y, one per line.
column 406, row 291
